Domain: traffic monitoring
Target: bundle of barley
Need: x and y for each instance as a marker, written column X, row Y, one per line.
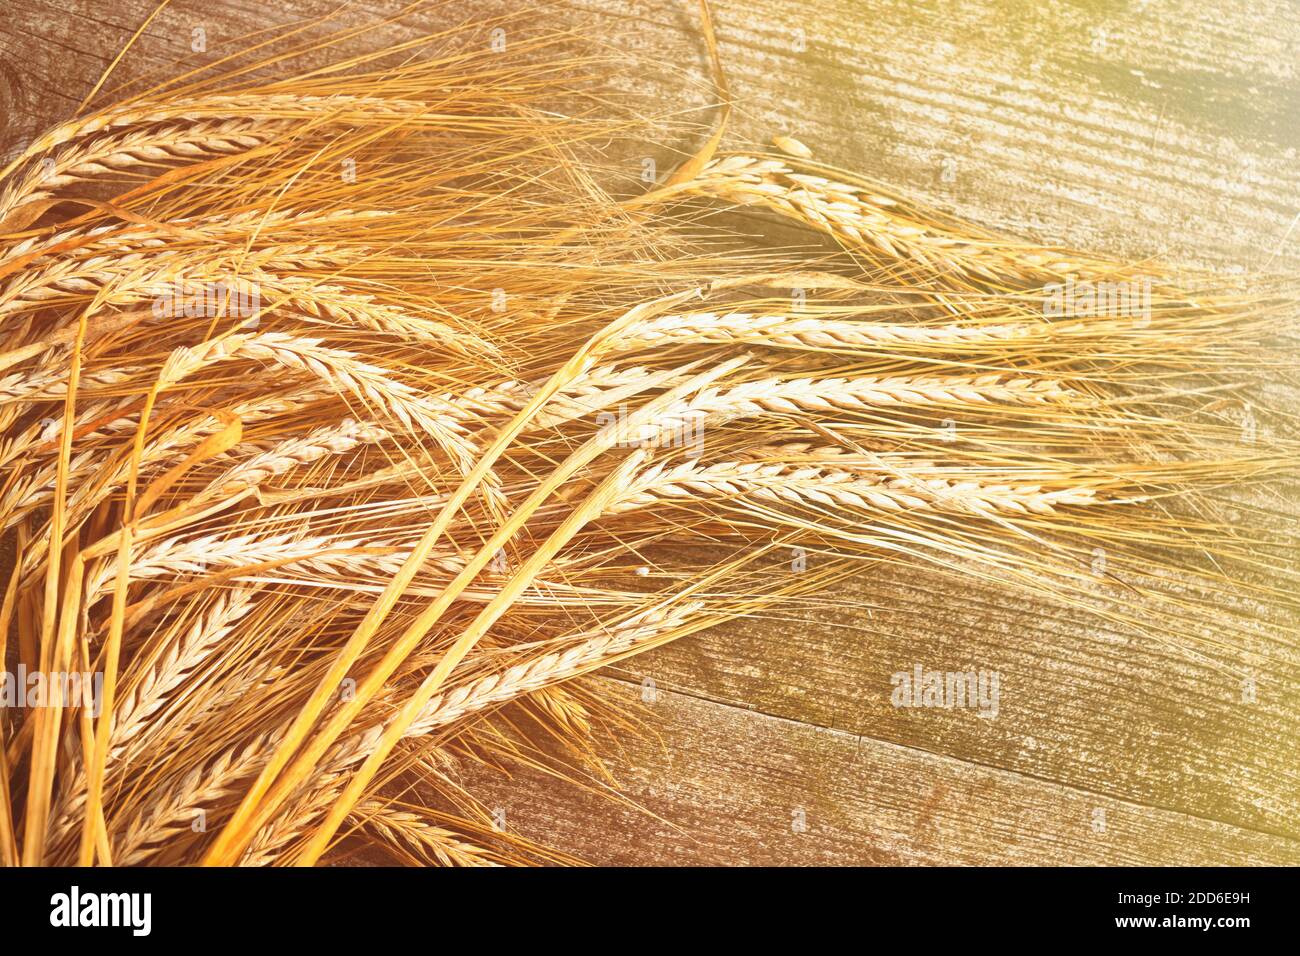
column 349, row 415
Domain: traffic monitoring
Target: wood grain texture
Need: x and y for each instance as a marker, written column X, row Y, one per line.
column 724, row 785
column 1158, row 128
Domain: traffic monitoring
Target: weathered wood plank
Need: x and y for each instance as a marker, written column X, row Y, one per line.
column 1136, row 128
column 1170, row 726
column 725, row 786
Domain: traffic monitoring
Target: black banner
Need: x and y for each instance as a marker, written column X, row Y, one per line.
column 354, row 904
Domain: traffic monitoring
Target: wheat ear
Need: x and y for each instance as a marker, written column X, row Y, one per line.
column 430, row 842
column 808, row 485
column 865, row 219
column 104, row 155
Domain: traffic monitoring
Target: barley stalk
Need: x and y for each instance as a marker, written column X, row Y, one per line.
column 178, row 807
column 807, row 332
column 444, row 846
column 295, row 452
column 132, row 712
column 867, row 220
column 809, row 485
column 493, row 689
column 332, row 557
column 103, row 155
column 220, row 107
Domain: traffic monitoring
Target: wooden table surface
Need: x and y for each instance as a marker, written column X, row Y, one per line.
column 1166, row 128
